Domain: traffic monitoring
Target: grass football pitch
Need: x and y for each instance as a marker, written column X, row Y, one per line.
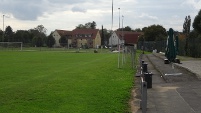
column 60, row 82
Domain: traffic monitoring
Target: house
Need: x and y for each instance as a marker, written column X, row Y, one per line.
column 57, row 34
column 127, row 37
column 79, row 37
column 86, row 37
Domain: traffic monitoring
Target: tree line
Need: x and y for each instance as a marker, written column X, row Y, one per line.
column 32, row 37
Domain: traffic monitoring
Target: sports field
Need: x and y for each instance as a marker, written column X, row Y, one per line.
column 61, row 82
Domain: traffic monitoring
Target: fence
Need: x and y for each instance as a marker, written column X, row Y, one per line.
column 191, row 48
column 152, row 45
column 129, row 53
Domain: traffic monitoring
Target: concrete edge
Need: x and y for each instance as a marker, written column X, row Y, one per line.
column 179, row 66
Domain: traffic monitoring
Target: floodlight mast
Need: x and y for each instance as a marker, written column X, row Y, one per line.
column 122, row 41
column 118, row 42
column 3, row 29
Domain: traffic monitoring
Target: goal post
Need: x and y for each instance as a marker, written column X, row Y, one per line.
column 11, row 45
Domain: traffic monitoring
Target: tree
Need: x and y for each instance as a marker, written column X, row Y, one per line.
column 22, row 36
column 39, row 32
column 89, row 25
column 138, row 30
column 197, row 22
column 18, row 37
column 37, row 41
column 8, row 37
column 1, row 35
column 81, row 26
column 144, row 29
column 127, row 28
column 155, row 33
column 105, row 35
column 186, row 25
column 63, row 41
column 41, row 29
column 50, row 41
column 186, row 30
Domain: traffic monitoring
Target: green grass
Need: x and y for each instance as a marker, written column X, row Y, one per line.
column 60, row 82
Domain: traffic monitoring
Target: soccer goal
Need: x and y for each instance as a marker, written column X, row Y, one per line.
column 11, row 45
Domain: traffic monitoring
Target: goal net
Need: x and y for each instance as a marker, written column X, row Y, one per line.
column 11, row 45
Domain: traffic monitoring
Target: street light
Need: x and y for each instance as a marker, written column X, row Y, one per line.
column 118, row 42
column 122, row 29
column 3, row 29
column 122, row 41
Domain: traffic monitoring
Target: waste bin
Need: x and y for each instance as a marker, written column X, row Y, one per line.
column 148, row 79
column 144, row 67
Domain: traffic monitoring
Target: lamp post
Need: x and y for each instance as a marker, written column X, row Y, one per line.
column 118, row 42
column 122, row 40
column 3, row 29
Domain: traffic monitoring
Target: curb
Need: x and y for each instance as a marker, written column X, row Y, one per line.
column 179, row 66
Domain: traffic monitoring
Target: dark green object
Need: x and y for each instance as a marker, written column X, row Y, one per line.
column 170, row 50
column 177, row 45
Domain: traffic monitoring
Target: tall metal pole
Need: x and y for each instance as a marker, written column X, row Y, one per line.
column 3, row 29
column 118, row 42
column 122, row 41
column 112, row 25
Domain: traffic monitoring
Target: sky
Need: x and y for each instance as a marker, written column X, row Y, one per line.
column 67, row 14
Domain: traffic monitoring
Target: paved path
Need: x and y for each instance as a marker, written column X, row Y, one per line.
column 170, row 93
column 193, row 66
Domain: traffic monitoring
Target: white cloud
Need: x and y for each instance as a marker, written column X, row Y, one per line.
column 195, row 3
column 147, row 16
column 78, row 9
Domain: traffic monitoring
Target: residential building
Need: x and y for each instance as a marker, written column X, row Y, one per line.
column 79, row 37
column 127, row 37
column 57, row 34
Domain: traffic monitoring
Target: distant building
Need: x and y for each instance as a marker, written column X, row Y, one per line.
column 126, row 37
column 79, row 37
column 57, row 34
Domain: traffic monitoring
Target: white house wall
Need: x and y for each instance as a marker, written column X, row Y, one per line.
column 56, row 37
column 114, row 40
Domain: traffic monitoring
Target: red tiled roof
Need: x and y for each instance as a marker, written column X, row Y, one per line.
column 131, row 38
column 85, row 33
column 79, row 33
column 64, row 32
column 120, row 33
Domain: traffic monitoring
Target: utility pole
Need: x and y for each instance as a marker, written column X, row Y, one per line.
column 3, row 29
column 122, row 41
column 118, row 42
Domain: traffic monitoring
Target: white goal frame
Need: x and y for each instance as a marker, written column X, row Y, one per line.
column 10, row 43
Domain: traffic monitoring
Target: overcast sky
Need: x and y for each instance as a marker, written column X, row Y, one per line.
column 67, row 14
